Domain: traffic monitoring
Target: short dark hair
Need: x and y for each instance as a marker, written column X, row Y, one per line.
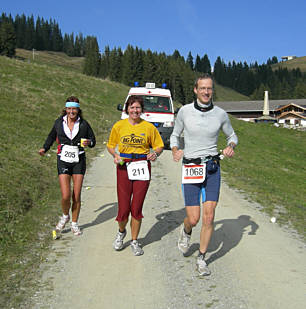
column 132, row 99
column 203, row 76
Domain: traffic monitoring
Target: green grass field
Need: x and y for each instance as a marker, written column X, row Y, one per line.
column 269, row 164
column 31, row 97
column 299, row 62
column 269, row 167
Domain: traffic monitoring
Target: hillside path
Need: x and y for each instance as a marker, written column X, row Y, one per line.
column 254, row 263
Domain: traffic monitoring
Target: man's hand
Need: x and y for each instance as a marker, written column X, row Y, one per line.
column 177, row 154
column 229, row 151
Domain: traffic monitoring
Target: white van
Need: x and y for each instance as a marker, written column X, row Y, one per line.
column 158, row 108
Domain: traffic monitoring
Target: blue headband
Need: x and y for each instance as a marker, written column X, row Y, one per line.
column 72, row 104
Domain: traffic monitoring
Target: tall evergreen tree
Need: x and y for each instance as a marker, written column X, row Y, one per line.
column 92, row 57
column 115, row 60
column 57, row 38
column 20, row 28
column 197, row 65
column 149, row 67
column 189, row 61
column 139, row 65
column 128, row 66
column 7, row 39
column 29, row 34
column 39, row 43
column 105, row 63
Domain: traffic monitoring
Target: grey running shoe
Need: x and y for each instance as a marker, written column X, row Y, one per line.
column 118, row 242
column 202, row 267
column 183, row 241
column 136, row 249
column 76, row 230
column 61, row 223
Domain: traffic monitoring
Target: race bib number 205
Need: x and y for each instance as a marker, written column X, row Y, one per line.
column 193, row 173
column 70, row 154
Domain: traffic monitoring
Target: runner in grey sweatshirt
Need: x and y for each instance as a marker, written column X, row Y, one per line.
column 201, row 123
column 201, row 130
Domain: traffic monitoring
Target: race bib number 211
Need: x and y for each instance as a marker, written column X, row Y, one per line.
column 138, row 170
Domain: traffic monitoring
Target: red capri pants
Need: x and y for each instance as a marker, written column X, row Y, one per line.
column 131, row 194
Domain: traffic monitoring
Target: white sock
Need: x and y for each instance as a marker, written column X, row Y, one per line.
column 65, row 216
column 74, row 223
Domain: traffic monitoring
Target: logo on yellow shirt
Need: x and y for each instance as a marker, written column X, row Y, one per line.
column 132, row 140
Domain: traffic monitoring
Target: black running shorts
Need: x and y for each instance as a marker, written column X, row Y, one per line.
column 72, row 168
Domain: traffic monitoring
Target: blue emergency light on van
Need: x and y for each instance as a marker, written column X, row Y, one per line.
column 164, row 85
column 136, row 84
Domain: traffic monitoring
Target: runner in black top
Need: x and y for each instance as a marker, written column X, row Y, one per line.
column 72, row 134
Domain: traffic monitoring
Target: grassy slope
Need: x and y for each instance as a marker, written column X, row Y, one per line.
column 268, row 166
column 299, row 62
column 227, row 94
column 31, row 98
column 51, row 58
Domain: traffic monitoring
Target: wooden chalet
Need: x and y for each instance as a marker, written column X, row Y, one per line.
column 284, row 111
column 291, row 114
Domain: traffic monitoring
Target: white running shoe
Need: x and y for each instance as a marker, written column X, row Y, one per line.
column 136, row 249
column 76, row 230
column 202, row 267
column 61, row 223
column 183, row 241
column 118, row 242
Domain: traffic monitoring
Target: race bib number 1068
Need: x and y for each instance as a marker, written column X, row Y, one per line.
column 192, row 173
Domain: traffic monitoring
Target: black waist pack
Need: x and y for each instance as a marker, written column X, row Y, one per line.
column 212, row 166
column 194, row 161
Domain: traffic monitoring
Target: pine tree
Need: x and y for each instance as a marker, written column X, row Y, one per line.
column 128, row 67
column 115, row 59
column 38, row 43
column 300, row 90
column 7, row 39
column 205, row 65
column 20, row 29
column 139, row 65
column 92, row 57
column 29, row 34
column 198, row 64
column 189, row 61
column 149, row 67
column 57, row 39
column 105, row 63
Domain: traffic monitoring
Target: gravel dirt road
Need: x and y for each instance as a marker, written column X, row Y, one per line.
column 254, row 263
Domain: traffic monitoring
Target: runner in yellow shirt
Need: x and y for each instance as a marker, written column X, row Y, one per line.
column 134, row 138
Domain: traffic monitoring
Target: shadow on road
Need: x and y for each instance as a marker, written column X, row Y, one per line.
column 167, row 222
column 227, row 235
column 103, row 216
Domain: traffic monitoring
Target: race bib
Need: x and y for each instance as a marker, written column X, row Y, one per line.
column 70, row 154
column 193, row 173
column 138, row 170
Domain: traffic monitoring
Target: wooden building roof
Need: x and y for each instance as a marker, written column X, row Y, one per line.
column 256, row 106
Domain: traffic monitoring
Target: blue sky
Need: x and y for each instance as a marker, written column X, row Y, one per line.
column 234, row 30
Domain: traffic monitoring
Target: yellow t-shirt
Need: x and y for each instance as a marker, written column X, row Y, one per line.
column 134, row 138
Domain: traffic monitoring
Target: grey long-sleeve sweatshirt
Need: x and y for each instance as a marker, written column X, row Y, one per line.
column 201, row 130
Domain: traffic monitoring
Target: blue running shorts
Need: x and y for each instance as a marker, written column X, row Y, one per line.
column 209, row 189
